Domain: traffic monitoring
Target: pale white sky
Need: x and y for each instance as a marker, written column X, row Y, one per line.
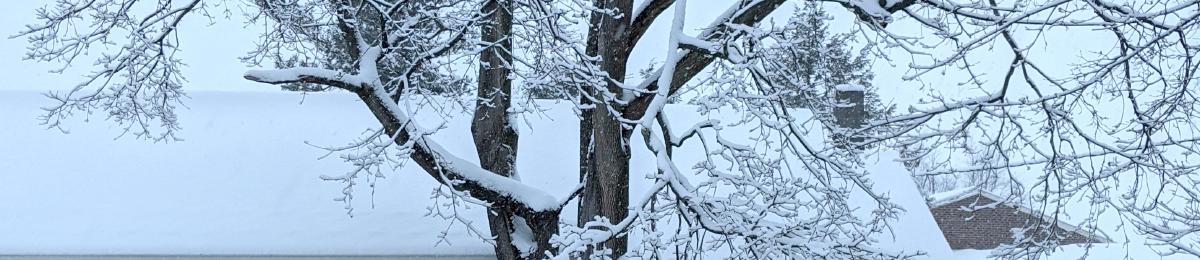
column 212, row 50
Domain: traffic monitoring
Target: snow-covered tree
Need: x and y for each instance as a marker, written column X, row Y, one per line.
column 808, row 60
column 1114, row 128
column 332, row 52
column 807, row 63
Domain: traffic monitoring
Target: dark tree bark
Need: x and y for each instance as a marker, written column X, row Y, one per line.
column 494, row 135
column 606, row 165
column 588, row 197
column 586, row 152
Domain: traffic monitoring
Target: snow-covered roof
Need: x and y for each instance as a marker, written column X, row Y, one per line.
column 850, row 87
column 942, row 198
column 916, row 229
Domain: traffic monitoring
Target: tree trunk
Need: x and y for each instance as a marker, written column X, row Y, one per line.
column 586, row 152
column 607, row 171
column 495, row 137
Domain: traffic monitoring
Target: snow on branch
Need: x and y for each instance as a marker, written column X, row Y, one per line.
column 371, row 55
column 307, row 75
column 443, row 165
column 532, row 198
column 664, row 79
column 690, row 63
column 643, row 16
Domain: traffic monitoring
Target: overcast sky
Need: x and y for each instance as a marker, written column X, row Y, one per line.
column 211, row 50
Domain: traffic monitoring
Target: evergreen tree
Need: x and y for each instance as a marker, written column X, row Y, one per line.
column 808, row 61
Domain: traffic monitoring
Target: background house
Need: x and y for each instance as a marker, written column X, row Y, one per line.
column 976, row 219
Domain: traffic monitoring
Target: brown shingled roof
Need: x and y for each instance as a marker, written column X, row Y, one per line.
column 977, row 219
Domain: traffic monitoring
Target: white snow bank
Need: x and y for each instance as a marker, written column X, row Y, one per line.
column 242, row 182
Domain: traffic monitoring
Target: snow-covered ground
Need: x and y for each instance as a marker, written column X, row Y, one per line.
column 243, row 181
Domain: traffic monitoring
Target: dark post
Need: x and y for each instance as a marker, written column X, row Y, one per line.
column 849, row 114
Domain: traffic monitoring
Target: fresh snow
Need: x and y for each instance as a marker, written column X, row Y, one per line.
column 850, row 87
column 942, row 198
column 294, row 74
column 668, row 69
column 915, row 230
column 242, row 182
column 871, row 7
